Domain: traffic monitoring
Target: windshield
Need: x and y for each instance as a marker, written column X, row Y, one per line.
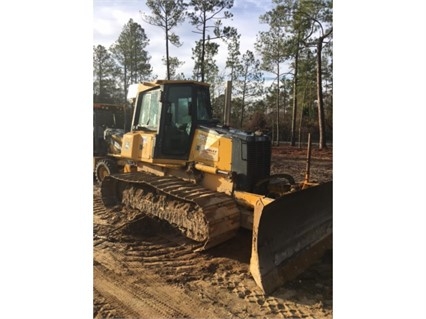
column 148, row 106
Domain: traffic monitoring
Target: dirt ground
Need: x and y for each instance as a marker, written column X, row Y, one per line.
column 148, row 270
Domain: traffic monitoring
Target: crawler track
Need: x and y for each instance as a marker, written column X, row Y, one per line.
column 200, row 214
column 144, row 268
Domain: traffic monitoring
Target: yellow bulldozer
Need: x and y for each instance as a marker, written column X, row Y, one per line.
column 208, row 180
column 110, row 122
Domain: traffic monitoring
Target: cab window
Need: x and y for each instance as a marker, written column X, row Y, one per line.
column 148, row 116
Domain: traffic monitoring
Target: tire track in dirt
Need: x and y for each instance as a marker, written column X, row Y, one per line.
column 133, row 304
column 139, row 292
column 149, row 269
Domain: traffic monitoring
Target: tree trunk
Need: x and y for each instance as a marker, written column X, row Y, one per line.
column 293, row 119
column 167, row 52
column 278, row 104
column 320, row 100
column 244, row 97
column 203, row 48
column 320, row 104
column 100, row 81
column 301, row 118
column 125, row 83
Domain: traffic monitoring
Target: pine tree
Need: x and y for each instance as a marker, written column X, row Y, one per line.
column 204, row 13
column 173, row 63
column 233, row 60
column 166, row 14
column 131, row 56
column 271, row 46
column 205, row 70
column 251, row 82
column 104, row 75
column 320, row 14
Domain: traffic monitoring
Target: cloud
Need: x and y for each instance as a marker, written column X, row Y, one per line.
column 103, row 30
column 110, row 17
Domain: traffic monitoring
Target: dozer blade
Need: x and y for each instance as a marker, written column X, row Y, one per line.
column 289, row 234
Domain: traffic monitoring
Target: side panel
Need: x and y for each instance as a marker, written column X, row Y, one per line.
column 212, row 149
column 138, row 146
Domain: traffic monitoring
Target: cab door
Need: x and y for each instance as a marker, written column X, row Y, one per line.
column 176, row 129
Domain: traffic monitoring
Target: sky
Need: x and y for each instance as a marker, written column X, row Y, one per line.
column 109, row 17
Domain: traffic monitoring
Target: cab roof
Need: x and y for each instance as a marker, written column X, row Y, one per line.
column 134, row 89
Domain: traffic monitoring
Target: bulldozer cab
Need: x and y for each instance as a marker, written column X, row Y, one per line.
column 172, row 110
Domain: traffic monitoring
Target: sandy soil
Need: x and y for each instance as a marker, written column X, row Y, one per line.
column 148, row 270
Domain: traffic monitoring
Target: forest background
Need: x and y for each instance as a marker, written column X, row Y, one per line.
column 282, row 84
